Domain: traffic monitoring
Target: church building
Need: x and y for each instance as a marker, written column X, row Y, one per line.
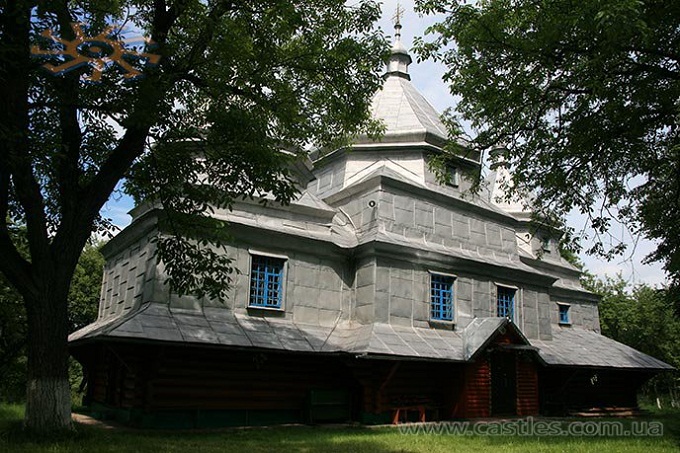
column 379, row 295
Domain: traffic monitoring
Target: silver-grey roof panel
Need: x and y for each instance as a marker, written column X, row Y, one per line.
column 156, row 322
column 478, row 332
column 404, row 110
column 572, row 346
column 218, row 326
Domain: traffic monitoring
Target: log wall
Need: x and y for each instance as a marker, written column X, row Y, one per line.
column 569, row 389
column 475, row 398
column 527, row 387
column 156, row 379
column 174, row 378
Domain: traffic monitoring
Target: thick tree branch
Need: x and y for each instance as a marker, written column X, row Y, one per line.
column 4, row 193
column 206, row 34
column 68, row 172
column 656, row 52
column 639, row 68
column 14, row 145
column 12, row 264
column 73, row 234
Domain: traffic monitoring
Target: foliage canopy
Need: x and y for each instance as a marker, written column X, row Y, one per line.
column 582, row 97
column 237, row 84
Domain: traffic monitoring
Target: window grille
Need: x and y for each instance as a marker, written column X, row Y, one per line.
column 441, row 297
column 564, row 314
column 266, row 282
column 506, row 302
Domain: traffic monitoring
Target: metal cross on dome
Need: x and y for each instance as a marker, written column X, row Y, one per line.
column 398, row 14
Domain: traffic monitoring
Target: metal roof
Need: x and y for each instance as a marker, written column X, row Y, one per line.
column 406, row 112
column 221, row 327
column 407, row 115
column 481, row 331
column 572, row 346
column 218, row 326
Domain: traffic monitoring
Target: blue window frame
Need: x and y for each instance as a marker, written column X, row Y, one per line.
column 506, row 301
column 266, row 281
column 564, row 314
column 441, row 297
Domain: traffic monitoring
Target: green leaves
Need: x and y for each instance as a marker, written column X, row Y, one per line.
column 200, row 267
column 241, row 90
column 85, row 289
column 269, row 80
column 582, row 94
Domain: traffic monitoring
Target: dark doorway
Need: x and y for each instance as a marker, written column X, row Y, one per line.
column 503, row 383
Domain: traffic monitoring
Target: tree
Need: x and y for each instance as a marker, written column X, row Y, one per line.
column 12, row 343
column 581, row 97
column 83, row 302
column 239, row 91
column 13, row 330
column 85, row 289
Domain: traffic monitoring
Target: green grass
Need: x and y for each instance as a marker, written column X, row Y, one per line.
column 327, row 439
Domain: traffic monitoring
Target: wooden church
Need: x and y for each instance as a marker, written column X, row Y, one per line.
column 378, row 296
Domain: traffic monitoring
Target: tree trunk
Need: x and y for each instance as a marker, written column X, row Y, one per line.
column 48, row 394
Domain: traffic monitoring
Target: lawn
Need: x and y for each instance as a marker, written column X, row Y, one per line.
column 345, row 439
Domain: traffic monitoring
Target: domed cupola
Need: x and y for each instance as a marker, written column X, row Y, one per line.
column 409, row 118
column 399, row 59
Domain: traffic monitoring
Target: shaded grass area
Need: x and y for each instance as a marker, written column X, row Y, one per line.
column 332, row 439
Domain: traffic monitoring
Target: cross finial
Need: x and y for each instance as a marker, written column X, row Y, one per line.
column 400, row 59
column 398, row 15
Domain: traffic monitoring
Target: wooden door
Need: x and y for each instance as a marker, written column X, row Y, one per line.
column 503, row 383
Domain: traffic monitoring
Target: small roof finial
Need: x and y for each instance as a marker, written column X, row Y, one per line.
column 398, row 15
column 400, row 59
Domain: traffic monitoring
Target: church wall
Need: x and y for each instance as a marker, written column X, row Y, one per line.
column 323, row 286
column 544, row 246
column 402, row 297
column 129, row 278
column 330, row 178
column 583, row 314
column 407, row 163
column 544, row 325
column 463, row 183
column 449, row 225
column 363, row 209
column 530, row 320
column 315, row 289
column 365, row 299
column 318, row 285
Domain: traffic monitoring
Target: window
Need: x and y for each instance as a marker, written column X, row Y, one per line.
column 453, row 177
column 441, row 297
column 266, row 282
column 506, row 301
column 545, row 244
column 564, row 313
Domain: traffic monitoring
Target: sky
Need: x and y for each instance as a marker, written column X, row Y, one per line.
column 427, row 78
